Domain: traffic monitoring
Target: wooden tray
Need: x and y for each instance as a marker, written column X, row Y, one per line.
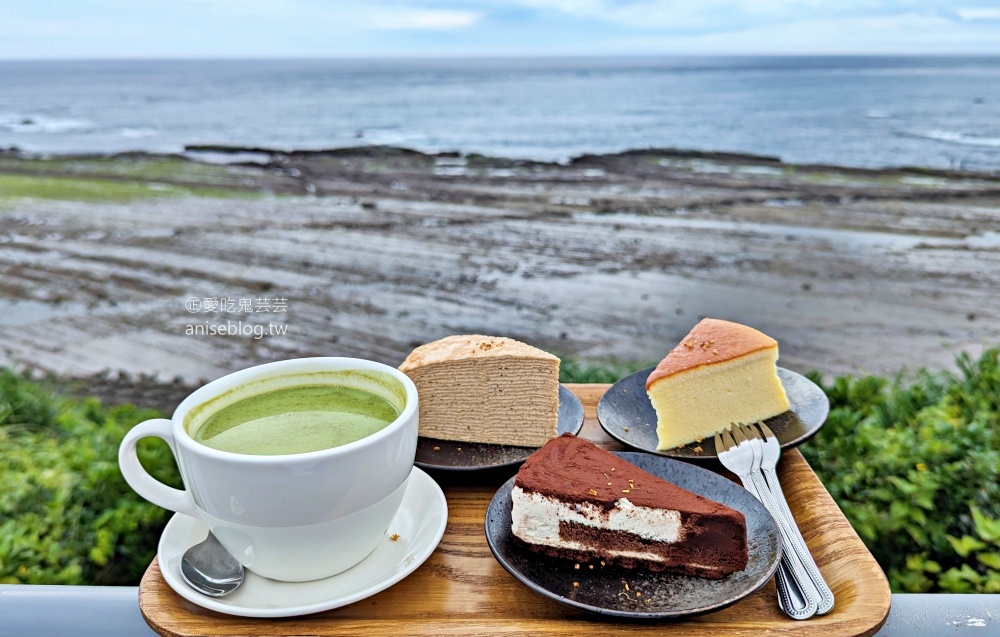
column 462, row 590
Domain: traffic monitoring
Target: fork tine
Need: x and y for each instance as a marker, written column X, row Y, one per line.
column 750, row 431
column 737, row 433
column 724, row 440
column 719, row 444
column 765, row 430
column 730, row 441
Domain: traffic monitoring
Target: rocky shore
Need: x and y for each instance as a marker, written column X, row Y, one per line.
column 371, row 251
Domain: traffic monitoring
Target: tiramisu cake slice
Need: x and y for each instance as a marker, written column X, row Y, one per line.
column 572, row 499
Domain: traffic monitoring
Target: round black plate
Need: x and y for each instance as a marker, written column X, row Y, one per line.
column 449, row 455
column 663, row 595
column 626, row 414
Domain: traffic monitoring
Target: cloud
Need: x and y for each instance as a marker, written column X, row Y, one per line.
column 720, row 16
column 681, row 15
column 979, row 13
column 376, row 14
column 904, row 33
column 409, row 19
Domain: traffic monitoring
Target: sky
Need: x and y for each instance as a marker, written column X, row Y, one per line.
column 46, row 29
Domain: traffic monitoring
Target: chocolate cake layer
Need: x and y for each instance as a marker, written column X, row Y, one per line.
column 703, row 558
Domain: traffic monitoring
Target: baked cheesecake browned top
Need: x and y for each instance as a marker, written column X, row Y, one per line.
column 711, row 341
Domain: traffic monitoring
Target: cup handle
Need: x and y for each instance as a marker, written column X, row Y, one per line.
column 139, row 479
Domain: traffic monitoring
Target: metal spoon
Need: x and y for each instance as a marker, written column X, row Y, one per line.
column 208, row 568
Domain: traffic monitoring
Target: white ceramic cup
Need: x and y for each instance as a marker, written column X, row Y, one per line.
column 294, row 517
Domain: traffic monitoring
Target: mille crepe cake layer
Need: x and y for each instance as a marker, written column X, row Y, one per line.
column 720, row 373
column 485, row 389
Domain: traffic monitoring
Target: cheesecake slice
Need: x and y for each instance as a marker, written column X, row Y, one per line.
column 486, row 389
column 720, row 373
column 574, row 500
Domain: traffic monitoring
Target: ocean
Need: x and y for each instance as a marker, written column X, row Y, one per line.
column 941, row 112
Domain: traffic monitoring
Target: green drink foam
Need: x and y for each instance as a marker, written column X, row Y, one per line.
column 296, row 420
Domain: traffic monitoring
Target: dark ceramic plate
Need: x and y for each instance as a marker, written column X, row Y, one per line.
column 602, row 590
column 449, row 455
column 627, row 415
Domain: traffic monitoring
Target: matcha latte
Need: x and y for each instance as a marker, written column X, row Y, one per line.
column 296, row 419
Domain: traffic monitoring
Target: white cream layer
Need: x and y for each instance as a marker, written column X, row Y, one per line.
column 536, row 520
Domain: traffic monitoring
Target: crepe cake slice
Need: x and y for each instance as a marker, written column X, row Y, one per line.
column 720, row 373
column 574, row 500
column 486, row 389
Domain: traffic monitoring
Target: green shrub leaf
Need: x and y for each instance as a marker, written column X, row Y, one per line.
column 991, row 560
column 966, row 545
column 988, row 530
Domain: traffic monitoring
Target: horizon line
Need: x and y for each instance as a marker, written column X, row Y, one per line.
column 459, row 58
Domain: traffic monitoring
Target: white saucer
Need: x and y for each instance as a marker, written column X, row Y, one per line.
column 419, row 524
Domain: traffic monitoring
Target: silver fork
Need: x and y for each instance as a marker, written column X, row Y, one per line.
column 797, row 596
column 770, row 452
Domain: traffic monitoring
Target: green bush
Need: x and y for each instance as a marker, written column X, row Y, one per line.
column 572, row 370
column 66, row 514
column 914, row 463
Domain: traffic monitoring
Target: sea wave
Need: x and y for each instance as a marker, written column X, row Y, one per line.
column 877, row 113
column 17, row 123
column 959, row 138
column 137, row 133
